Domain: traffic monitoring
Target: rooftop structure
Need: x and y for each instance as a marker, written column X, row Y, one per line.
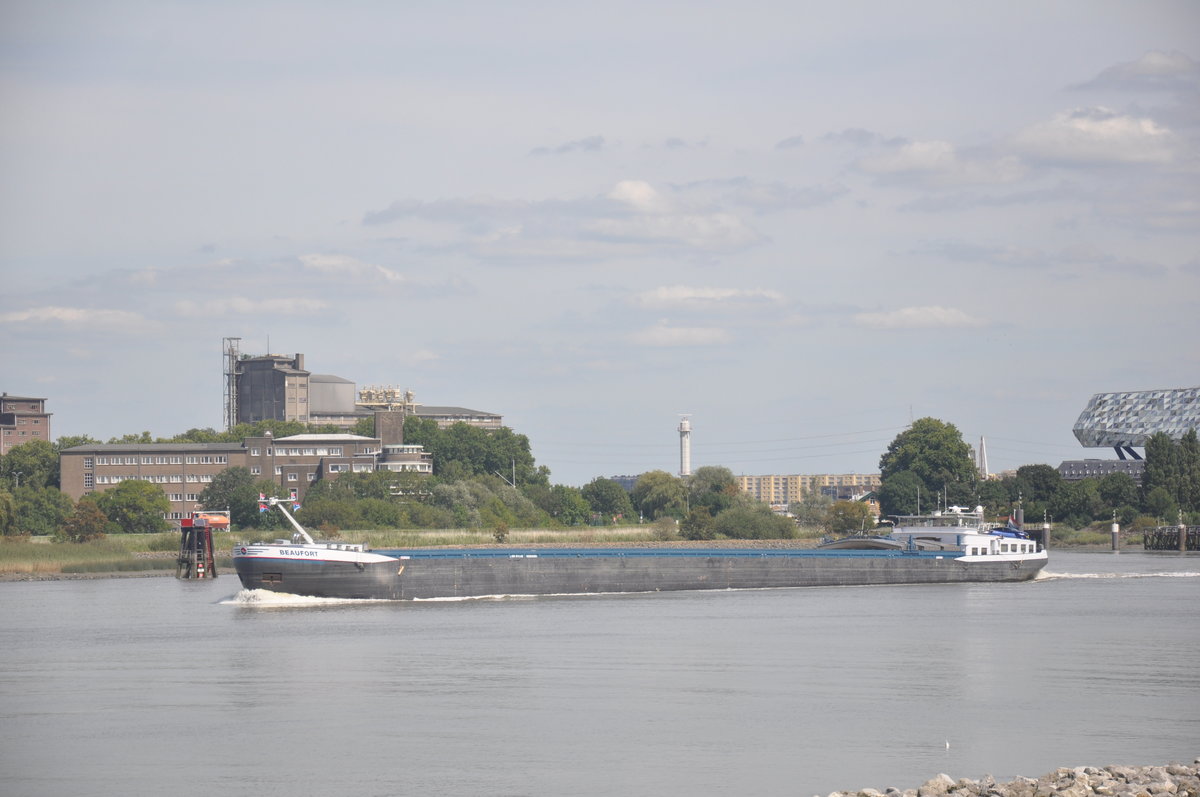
column 1126, row 420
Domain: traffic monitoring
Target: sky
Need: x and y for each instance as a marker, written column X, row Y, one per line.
column 802, row 224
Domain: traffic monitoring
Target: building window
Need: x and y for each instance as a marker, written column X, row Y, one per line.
column 292, row 477
column 176, row 460
column 88, row 481
column 255, row 470
column 191, row 460
column 254, row 452
column 312, row 477
column 87, row 463
column 278, row 470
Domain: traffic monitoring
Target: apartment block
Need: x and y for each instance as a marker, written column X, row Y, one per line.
column 781, row 490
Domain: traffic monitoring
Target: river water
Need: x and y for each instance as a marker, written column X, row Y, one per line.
column 155, row 686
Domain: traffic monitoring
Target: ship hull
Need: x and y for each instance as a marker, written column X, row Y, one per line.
column 416, row 575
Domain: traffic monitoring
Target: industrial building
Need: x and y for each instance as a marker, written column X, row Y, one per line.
column 183, row 470
column 279, row 387
column 22, row 419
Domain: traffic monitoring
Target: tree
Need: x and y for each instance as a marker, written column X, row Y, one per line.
column 1038, row 482
column 713, row 487
column 659, row 493
column 462, row 451
column 903, row 493
column 848, row 517
column 811, row 509
column 1189, row 466
column 8, row 512
column 144, row 437
column 1164, row 467
column 40, row 511
column 32, row 464
column 1078, row 503
column 85, row 524
column 70, row 441
column 935, row 453
column 1117, row 490
column 607, row 497
column 194, row 435
column 136, row 506
column 1161, row 504
column 698, row 525
column 233, row 489
column 364, row 426
column 753, row 521
column 568, row 505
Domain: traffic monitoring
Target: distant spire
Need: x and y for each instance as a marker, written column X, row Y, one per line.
column 983, row 463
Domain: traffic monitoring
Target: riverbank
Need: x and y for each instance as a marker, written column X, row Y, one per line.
column 1179, row 780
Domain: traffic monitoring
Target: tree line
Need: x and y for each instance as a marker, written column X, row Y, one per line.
column 929, row 466
column 490, row 479
column 481, row 479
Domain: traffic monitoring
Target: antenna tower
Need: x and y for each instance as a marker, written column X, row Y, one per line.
column 983, row 463
column 229, row 348
column 685, row 446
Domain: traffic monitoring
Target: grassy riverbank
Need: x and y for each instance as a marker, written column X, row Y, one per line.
column 22, row 557
column 130, row 553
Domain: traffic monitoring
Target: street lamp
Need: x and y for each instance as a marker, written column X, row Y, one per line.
column 17, row 475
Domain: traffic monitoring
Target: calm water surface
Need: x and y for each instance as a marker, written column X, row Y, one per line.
column 146, row 686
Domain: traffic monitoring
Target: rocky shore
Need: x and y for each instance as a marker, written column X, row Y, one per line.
column 1173, row 780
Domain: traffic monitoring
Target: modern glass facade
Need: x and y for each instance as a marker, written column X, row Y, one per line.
column 1128, row 419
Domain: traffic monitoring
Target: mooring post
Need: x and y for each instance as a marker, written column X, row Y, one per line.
column 1182, row 537
column 1116, row 534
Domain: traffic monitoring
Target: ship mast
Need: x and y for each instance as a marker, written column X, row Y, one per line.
column 275, row 502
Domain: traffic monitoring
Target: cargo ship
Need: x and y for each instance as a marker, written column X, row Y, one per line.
column 943, row 552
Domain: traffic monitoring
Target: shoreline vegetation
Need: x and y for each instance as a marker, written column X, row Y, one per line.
column 143, row 555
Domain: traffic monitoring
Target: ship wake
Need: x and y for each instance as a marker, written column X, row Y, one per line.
column 267, row 599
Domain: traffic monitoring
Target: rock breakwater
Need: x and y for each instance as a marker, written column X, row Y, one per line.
column 1169, row 780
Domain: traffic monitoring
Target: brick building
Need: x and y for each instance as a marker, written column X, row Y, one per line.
column 22, row 419
column 183, row 470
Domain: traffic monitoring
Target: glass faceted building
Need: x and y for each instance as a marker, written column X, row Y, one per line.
column 1124, row 420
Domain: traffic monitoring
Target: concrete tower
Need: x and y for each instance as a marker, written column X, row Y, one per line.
column 685, row 446
column 983, row 463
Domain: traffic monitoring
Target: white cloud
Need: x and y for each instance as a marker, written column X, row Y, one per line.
column 932, row 317
column 938, row 163
column 689, row 296
column 1170, row 71
column 76, row 317
column 1097, row 135
column 663, row 334
column 632, row 218
column 345, row 267
column 240, row 305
